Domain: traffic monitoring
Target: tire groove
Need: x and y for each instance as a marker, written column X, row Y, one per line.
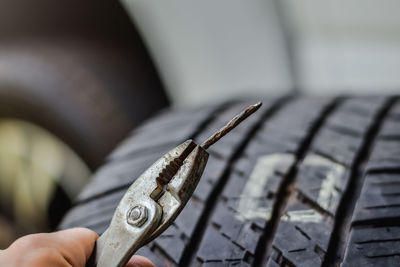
column 211, row 116
column 342, row 224
column 370, row 223
column 194, row 243
column 285, row 191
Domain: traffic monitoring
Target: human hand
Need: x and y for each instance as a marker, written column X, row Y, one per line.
column 71, row 247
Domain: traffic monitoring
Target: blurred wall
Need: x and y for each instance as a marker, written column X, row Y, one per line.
column 210, row 50
column 349, row 46
column 207, row 50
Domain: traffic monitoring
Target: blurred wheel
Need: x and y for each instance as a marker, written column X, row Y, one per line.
column 90, row 96
column 39, row 176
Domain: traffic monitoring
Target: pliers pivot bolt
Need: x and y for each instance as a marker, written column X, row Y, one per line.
column 156, row 197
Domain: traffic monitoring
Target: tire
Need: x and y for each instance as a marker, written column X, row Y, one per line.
column 74, row 75
column 78, row 69
column 83, row 93
column 303, row 182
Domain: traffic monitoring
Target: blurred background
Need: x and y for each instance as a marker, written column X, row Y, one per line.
column 210, row 49
column 78, row 76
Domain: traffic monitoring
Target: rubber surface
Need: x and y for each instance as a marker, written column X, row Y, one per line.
column 303, row 182
column 78, row 69
column 83, row 93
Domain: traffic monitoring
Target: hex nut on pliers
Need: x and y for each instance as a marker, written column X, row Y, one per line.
column 137, row 215
column 154, row 200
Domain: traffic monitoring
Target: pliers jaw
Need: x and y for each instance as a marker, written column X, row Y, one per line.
column 152, row 203
column 154, row 200
column 181, row 186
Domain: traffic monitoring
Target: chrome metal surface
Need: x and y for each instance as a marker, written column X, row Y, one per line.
column 137, row 215
column 156, row 198
column 162, row 190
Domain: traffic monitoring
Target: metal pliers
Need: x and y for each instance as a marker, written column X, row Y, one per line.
column 156, row 198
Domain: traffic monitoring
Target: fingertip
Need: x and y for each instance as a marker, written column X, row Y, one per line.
column 86, row 232
column 139, row 261
column 80, row 237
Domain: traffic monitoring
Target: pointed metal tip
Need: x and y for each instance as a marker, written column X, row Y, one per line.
column 256, row 105
column 232, row 124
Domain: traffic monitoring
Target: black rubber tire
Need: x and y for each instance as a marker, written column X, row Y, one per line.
column 303, row 182
column 88, row 95
column 78, row 69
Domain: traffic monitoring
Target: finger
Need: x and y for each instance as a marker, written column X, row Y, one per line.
column 139, row 261
column 78, row 243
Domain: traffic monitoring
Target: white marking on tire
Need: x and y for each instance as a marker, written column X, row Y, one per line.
column 304, row 216
column 254, row 190
column 328, row 195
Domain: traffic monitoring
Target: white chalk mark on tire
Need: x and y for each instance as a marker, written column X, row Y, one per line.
column 255, row 188
column 328, row 197
column 304, row 216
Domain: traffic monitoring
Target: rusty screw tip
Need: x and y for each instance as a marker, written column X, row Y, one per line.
column 232, row 124
column 257, row 105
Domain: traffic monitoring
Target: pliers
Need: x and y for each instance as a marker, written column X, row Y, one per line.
column 156, row 198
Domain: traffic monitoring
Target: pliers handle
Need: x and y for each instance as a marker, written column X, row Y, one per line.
column 151, row 203
column 156, row 198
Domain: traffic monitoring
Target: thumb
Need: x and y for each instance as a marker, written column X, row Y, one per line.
column 78, row 243
column 139, row 261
